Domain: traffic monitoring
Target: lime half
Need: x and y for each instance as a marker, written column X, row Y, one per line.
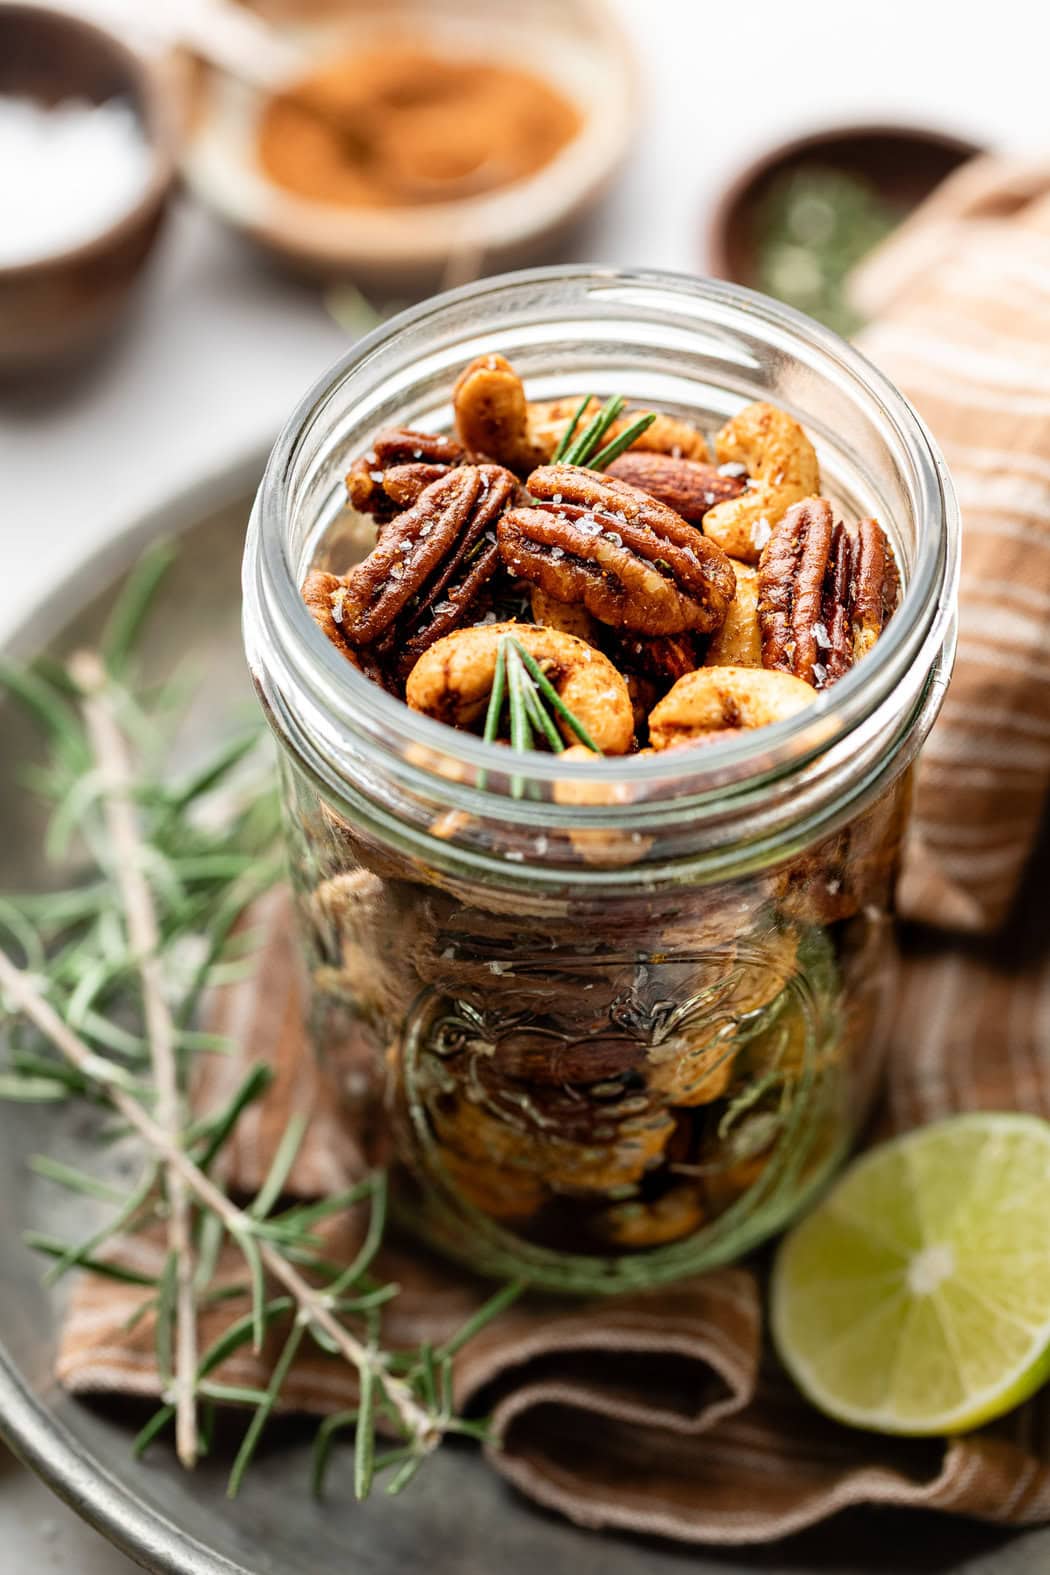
column 916, row 1297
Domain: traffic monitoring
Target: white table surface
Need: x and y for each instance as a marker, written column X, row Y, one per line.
column 221, row 345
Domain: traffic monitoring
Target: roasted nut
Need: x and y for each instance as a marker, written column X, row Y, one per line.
column 852, row 870
column 487, row 1185
column 397, row 468
column 714, row 699
column 323, row 594
column 452, row 681
column 690, row 487
column 665, row 435
column 494, row 419
column 776, row 455
column 629, row 559
column 602, row 847
column 823, row 595
column 677, row 1214
column 492, row 415
column 567, row 617
column 428, row 566
column 663, row 657
column 693, row 1074
column 475, row 1131
column 739, row 642
column 319, row 592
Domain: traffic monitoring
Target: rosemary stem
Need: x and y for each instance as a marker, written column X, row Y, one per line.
column 112, row 760
column 26, row 995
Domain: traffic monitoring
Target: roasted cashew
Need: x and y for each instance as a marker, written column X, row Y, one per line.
column 566, row 617
column 607, row 848
column 716, row 699
column 492, row 417
column 739, row 641
column 453, row 681
column 637, row 1224
column 782, row 467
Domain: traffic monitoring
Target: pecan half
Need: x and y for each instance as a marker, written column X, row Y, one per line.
column 323, row 594
column 688, row 486
column 824, row 594
column 398, row 467
column 632, row 561
column 428, row 566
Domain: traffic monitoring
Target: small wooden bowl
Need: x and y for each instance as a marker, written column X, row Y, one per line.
column 578, row 45
column 56, row 309
column 903, row 163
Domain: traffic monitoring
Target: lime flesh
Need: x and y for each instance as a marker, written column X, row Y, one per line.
column 916, row 1297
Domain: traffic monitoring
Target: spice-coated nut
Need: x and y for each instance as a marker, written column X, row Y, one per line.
column 739, row 641
column 603, row 847
column 771, row 448
column 630, row 560
column 453, row 680
column 635, row 1223
column 492, row 415
column 428, row 565
column 824, row 594
column 395, row 469
column 714, row 699
column 691, row 487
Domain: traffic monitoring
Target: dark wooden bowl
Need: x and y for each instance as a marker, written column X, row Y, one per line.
column 903, row 163
column 56, row 309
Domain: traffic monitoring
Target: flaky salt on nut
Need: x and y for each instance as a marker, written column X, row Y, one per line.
column 824, row 593
column 770, row 448
column 399, row 465
column 632, row 561
column 453, row 681
column 720, row 699
column 422, row 577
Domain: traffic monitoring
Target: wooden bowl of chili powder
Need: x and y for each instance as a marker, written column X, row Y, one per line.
column 422, row 143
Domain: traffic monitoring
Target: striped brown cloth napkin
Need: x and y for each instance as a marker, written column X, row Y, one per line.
column 665, row 1412
column 959, row 301
column 660, row 1412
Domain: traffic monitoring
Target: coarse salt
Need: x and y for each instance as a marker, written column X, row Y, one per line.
column 67, row 172
column 761, row 531
column 732, row 469
column 820, row 634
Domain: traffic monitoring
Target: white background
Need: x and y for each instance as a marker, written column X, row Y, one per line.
column 221, row 346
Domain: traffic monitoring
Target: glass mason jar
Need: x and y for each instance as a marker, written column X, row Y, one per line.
column 614, row 1020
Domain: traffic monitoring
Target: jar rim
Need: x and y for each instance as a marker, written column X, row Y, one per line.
column 914, row 638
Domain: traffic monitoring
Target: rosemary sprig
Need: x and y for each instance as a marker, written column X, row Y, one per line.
column 533, row 706
column 585, row 450
column 103, row 1007
column 116, row 785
